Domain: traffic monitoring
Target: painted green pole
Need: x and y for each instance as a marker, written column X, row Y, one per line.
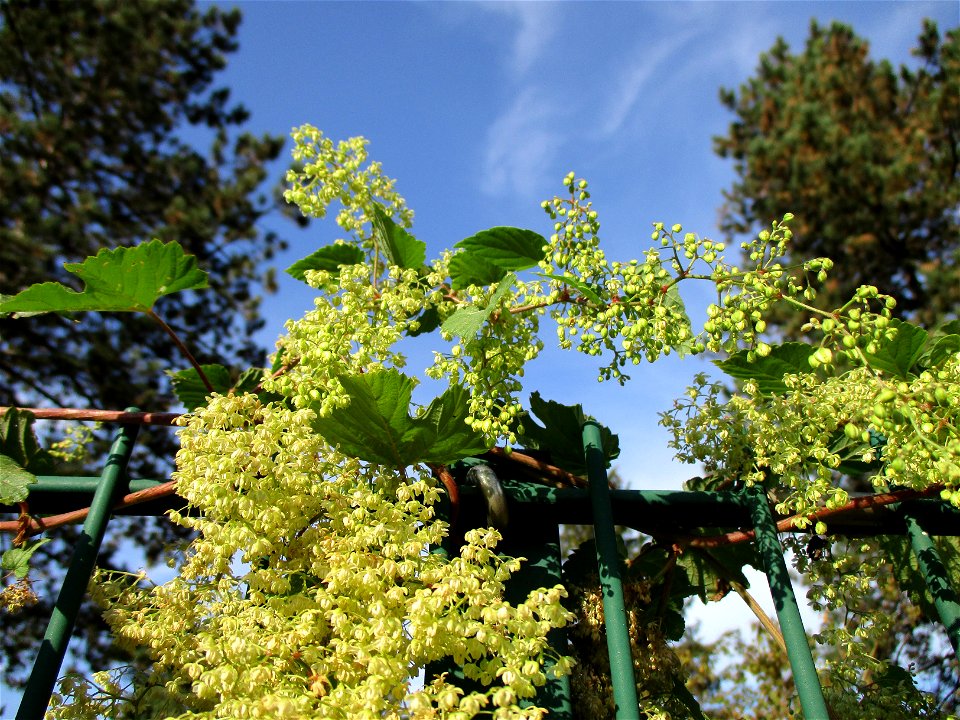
column 611, row 584
column 788, row 612
column 935, row 575
column 43, row 677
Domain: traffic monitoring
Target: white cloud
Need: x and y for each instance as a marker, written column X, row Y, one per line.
column 536, row 26
column 520, row 145
column 634, row 79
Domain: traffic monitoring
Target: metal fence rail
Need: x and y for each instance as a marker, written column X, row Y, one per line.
column 544, row 510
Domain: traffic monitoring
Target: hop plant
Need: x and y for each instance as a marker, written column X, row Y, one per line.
column 310, row 588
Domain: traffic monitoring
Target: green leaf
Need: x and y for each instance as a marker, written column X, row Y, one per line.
column 377, row 427
column 14, row 481
column 17, row 560
column 18, row 442
column 466, row 322
column 192, row 393
column 397, row 245
column 562, row 434
column 120, row 280
column 329, row 258
column 939, row 351
column 899, row 354
column 674, row 303
column 466, row 270
column 190, row 390
column 22, row 314
column 577, row 284
column 767, row 372
column 499, row 249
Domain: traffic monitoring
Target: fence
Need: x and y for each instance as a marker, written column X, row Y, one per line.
column 543, row 509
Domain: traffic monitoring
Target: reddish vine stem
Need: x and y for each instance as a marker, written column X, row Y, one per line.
column 551, row 471
column 443, row 474
column 35, row 526
column 281, row 371
column 121, row 416
column 183, row 348
column 792, row 522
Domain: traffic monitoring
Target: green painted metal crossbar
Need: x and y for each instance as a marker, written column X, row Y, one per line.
column 543, row 510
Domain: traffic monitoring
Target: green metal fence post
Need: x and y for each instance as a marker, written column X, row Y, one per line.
column 935, row 575
column 788, row 612
column 43, row 677
column 611, row 583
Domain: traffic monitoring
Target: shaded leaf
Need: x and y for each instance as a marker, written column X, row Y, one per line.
column 18, row 442
column 562, row 434
column 710, row 573
column 377, row 427
column 329, row 258
column 940, row 350
column 128, row 279
column 190, row 390
column 192, row 393
column 397, row 245
column 786, row 359
column 429, row 321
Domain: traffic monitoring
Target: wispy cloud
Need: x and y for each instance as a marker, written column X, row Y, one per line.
column 536, row 25
column 520, row 145
column 635, row 78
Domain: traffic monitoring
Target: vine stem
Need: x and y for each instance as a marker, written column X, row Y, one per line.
column 121, row 416
column 795, row 521
column 551, row 471
column 33, row 526
column 183, row 348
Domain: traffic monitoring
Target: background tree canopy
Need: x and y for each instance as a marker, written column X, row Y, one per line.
column 103, row 106
column 96, row 100
column 845, row 143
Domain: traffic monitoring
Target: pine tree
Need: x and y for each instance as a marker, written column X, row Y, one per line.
column 845, row 143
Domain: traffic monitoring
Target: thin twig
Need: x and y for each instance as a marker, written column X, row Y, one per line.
column 796, row 521
column 116, row 416
column 35, row 526
column 547, row 469
column 183, row 348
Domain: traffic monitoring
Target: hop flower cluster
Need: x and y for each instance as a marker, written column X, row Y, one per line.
column 310, row 590
column 354, row 328
column 491, row 362
column 336, row 173
column 905, row 430
column 629, row 310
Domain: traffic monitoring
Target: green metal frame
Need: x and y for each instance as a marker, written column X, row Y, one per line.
column 543, row 510
column 53, row 648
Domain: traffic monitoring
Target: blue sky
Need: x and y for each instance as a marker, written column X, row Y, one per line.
column 479, row 109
